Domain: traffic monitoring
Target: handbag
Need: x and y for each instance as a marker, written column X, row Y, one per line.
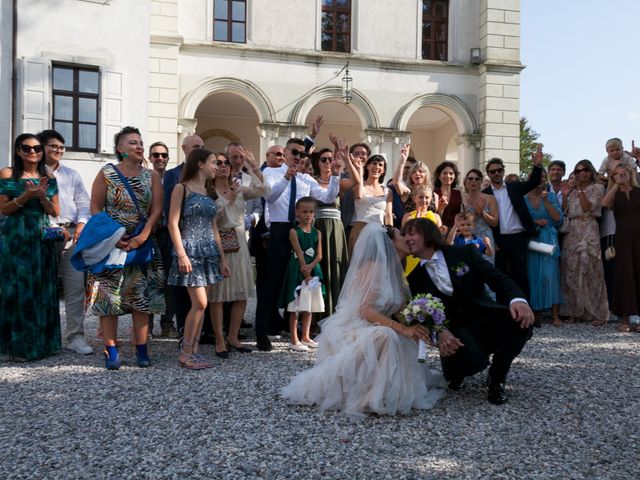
column 144, row 253
column 610, row 251
column 184, row 195
column 229, row 240
column 308, row 296
column 52, row 234
column 541, row 247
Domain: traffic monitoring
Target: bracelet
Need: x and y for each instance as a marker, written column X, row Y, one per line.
column 15, row 200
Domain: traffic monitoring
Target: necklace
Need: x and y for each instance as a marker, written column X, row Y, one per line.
column 28, row 175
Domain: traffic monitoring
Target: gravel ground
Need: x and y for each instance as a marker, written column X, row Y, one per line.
column 573, row 413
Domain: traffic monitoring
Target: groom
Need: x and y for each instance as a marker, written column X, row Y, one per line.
column 478, row 326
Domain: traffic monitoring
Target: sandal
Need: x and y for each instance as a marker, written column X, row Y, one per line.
column 193, row 361
column 555, row 321
column 598, row 323
column 624, row 327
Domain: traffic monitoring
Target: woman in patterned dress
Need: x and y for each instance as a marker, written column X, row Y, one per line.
column 240, row 284
column 135, row 289
column 30, row 327
column 198, row 259
column 482, row 205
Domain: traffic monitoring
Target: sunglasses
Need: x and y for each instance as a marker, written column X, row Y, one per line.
column 496, row 170
column 277, row 154
column 325, row 159
column 160, row 154
column 29, row 148
column 474, row 179
column 299, row 153
column 57, row 148
column 225, row 163
column 580, row 170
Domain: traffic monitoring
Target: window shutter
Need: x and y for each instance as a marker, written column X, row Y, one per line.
column 35, row 94
column 111, row 109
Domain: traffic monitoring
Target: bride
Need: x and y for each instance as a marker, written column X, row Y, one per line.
column 366, row 362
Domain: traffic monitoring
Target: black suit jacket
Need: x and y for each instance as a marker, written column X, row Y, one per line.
column 469, row 299
column 516, row 192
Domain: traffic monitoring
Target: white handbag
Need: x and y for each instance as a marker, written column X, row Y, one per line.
column 541, row 247
column 308, row 297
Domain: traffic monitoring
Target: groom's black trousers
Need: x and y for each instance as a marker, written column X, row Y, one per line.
column 493, row 332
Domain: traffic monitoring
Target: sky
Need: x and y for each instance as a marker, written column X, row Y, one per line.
column 581, row 84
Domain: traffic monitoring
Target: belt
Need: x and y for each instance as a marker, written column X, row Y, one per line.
column 67, row 225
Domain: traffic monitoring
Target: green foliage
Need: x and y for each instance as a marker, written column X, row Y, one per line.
column 528, row 145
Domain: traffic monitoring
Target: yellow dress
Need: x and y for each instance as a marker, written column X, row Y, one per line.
column 412, row 262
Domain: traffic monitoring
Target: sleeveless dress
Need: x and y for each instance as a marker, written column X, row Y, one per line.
column 29, row 308
column 544, row 270
column 369, row 209
column 453, row 208
column 199, row 244
column 308, row 243
column 483, row 229
column 135, row 287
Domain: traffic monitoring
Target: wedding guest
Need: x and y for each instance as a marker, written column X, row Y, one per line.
column 446, row 187
column 198, row 259
column 159, row 156
column 418, row 175
column 177, row 298
column 360, row 153
column 623, row 197
column 29, row 309
column 557, row 170
column 303, row 266
column 287, row 186
column 334, row 262
column 615, row 156
column 372, row 198
column 583, row 288
column 366, row 361
column 515, row 226
column 482, row 205
column 132, row 196
column 239, row 286
column 74, row 214
column 398, row 205
column 462, row 233
column 422, row 196
column 544, row 269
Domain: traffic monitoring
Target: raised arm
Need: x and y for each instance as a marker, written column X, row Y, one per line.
column 397, row 181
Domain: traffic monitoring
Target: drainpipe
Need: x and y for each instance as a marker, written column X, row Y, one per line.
column 14, row 60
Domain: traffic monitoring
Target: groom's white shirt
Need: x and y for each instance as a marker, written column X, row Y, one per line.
column 438, row 271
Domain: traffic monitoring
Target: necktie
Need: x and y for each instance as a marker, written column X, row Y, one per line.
column 440, row 281
column 292, row 200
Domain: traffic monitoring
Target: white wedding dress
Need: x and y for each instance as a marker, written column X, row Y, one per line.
column 360, row 367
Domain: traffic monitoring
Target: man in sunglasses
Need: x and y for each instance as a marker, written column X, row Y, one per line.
column 288, row 185
column 515, row 227
column 177, row 299
column 74, row 214
column 159, row 157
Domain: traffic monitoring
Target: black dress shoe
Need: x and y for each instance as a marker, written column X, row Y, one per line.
column 224, row 354
column 497, row 394
column 264, row 344
column 241, row 349
column 456, row 384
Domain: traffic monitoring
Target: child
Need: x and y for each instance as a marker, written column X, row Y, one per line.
column 303, row 266
column 422, row 195
column 462, row 234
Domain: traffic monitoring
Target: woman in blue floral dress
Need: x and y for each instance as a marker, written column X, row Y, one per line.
column 29, row 310
column 198, row 258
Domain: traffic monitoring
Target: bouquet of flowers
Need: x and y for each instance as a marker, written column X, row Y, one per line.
column 428, row 311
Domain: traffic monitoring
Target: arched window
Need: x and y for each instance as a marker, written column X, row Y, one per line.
column 435, row 29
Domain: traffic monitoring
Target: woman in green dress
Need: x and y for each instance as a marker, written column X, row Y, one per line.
column 29, row 309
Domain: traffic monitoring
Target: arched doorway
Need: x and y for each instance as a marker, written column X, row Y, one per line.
column 340, row 119
column 227, row 117
column 433, row 135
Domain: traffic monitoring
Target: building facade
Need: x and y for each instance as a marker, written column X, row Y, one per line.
column 442, row 75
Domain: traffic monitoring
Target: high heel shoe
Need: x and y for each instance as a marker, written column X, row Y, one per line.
column 241, row 349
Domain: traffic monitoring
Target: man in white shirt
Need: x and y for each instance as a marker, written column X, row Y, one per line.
column 74, row 214
column 515, row 226
column 287, row 186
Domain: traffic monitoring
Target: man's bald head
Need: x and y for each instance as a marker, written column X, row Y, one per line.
column 190, row 143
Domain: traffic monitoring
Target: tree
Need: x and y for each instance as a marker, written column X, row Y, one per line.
column 528, row 145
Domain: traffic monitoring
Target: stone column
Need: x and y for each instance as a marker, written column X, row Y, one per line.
column 186, row 127
column 499, row 91
column 468, row 149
